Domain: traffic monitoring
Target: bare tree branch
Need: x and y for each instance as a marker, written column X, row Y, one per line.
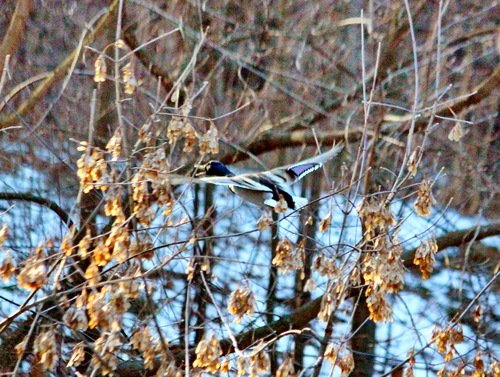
column 457, row 238
column 269, row 142
column 57, row 74
column 15, row 32
column 25, row 197
column 480, row 92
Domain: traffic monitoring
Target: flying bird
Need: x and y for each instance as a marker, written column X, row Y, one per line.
column 266, row 188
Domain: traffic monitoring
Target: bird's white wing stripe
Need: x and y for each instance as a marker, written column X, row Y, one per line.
column 301, row 170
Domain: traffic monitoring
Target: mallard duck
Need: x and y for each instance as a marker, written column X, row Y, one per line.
column 266, row 188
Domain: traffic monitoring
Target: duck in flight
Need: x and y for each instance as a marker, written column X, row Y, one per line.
column 266, row 188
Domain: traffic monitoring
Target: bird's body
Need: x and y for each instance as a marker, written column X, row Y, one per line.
column 267, row 188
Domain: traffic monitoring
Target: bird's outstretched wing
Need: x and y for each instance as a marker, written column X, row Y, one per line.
column 266, row 181
column 290, row 174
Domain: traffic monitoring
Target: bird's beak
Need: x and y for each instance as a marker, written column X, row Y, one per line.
column 199, row 170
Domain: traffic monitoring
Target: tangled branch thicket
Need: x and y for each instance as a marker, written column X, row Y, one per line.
column 116, row 262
